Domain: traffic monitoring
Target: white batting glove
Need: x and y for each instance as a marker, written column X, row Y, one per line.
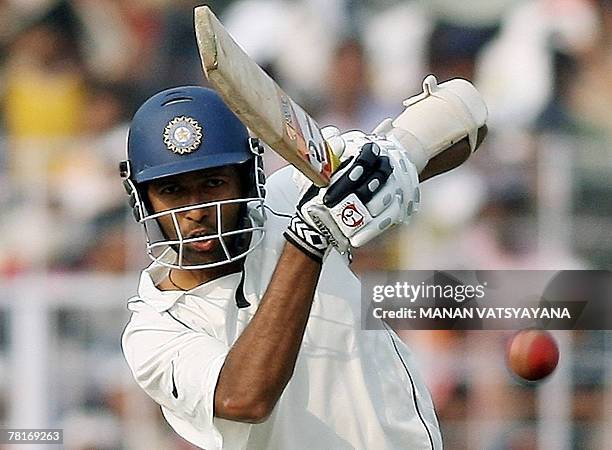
column 375, row 188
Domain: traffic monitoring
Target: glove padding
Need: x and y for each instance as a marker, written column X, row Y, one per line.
column 374, row 189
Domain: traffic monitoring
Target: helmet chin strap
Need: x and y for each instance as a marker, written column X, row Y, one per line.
column 241, row 300
column 241, row 242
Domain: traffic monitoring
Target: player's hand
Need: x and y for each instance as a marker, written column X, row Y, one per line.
column 375, row 188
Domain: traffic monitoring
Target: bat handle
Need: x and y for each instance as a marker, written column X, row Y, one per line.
column 333, row 158
column 334, row 148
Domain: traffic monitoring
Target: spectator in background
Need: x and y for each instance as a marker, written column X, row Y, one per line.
column 123, row 40
column 113, row 47
column 92, row 205
column 44, row 92
column 453, row 48
column 460, row 31
column 591, row 90
column 349, row 103
column 525, row 68
column 42, row 104
column 176, row 59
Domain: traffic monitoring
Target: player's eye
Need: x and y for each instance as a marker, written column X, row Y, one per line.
column 214, row 182
column 170, row 189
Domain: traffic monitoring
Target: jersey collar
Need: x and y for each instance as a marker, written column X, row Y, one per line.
column 160, row 300
column 164, row 300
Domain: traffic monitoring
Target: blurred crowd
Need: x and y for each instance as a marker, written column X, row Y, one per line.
column 537, row 195
column 73, row 73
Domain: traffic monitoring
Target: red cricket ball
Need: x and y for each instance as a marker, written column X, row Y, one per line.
column 532, row 354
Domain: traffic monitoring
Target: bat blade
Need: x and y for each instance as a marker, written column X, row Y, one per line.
column 259, row 102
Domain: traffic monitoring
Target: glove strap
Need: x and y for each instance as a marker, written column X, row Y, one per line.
column 306, row 238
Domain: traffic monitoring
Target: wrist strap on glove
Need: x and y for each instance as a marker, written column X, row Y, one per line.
column 306, row 238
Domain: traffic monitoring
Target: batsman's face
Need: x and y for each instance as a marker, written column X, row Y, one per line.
column 196, row 188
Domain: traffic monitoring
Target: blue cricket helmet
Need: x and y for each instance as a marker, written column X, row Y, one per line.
column 184, row 129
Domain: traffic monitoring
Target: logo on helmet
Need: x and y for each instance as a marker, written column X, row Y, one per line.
column 183, row 135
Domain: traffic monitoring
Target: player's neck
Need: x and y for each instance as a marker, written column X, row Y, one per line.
column 185, row 280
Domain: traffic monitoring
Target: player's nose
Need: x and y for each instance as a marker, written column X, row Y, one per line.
column 199, row 214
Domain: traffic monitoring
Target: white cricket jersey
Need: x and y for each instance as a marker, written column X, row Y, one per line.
column 351, row 388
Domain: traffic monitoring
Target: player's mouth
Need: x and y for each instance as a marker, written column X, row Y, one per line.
column 203, row 245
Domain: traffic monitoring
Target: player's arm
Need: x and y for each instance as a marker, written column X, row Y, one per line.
column 260, row 363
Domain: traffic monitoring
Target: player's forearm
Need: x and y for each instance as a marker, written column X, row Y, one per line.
column 451, row 157
column 261, row 362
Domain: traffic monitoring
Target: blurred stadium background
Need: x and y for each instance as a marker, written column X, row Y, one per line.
column 537, row 196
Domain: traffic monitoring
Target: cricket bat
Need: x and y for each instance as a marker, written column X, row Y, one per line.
column 260, row 103
column 444, row 117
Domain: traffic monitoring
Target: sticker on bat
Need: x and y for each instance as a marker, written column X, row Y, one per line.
column 296, row 122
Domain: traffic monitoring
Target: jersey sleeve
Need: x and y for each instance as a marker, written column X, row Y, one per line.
column 179, row 368
column 282, row 190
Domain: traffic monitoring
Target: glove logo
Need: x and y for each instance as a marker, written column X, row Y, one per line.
column 183, row 135
column 351, row 217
